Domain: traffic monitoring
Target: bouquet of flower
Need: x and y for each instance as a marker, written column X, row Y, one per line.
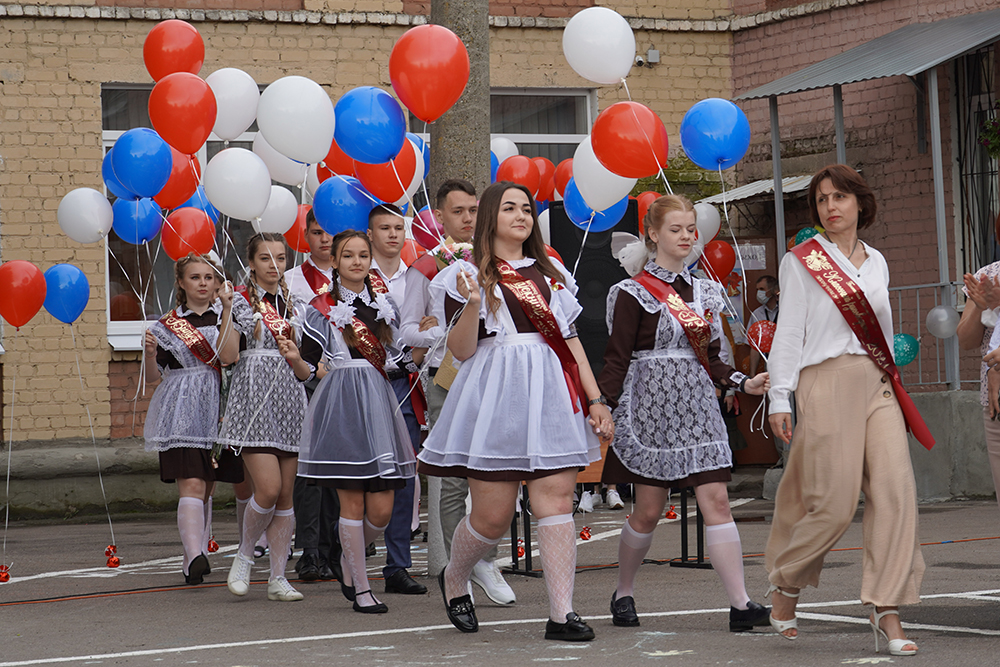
column 449, row 253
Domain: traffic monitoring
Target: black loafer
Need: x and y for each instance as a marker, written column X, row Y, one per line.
column 755, row 615
column 461, row 612
column 573, row 630
column 370, row 550
column 326, row 573
column 197, row 569
column 401, row 582
column 308, row 567
column 623, row 611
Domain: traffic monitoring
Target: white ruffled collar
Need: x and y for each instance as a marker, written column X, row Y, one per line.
column 521, row 263
column 347, row 296
column 666, row 274
column 215, row 307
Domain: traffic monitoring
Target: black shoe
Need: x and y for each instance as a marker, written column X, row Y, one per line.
column 415, row 533
column 326, row 572
column 573, row 630
column 308, row 567
column 755, row 615
column 197, row 569
column 377, row 608
column 370, row 550
column 461, row 612
column 401, row 582
column 623, row 611
column 259, row 551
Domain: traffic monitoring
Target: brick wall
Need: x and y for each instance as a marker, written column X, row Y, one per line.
column 128, row 401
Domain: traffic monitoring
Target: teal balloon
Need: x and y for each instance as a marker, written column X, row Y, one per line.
column 905, row 349
column 805, row 234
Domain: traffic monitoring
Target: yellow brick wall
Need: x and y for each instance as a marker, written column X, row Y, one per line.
column 390, row 6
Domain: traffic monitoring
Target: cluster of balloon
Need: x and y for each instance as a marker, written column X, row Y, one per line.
column 905, row 349
column 761, row 335
column 942, row 321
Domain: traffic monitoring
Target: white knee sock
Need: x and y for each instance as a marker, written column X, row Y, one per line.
column 208, row 525
column 255, row 522
column 241, row 508
column 726, row 552
column 190, row 520
column 557, row 545
column 467, row 548
column 632, row 549
column 372, row 531
column 279, row 537
column 353, row 542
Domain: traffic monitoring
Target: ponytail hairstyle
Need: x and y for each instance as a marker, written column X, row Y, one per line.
column 180, row 266
column 382, row 329
column 657, row 213
column 252, row 296
column 486, row 227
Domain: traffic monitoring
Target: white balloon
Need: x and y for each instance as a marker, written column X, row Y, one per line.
column 85, row 215
column 503, row 148
column 279, row 216
column 599, row 45
column 599, row 187
column 236, row 98
column 707, row 220
column 296, row 116
column 282, row 169
column 942, row 321
column 543, row 227
column 312, row 180
column 238, row 184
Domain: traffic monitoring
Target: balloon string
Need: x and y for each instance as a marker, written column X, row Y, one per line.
column 10, row 449
column 413, row 207
column 583, row 243
column 649, row 142
column 93, row 438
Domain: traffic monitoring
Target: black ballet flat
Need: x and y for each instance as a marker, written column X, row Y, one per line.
column 378, row 608
column 197, row 569
column 755, row 615
column 348, row 591
column 461, row 612
column 573, row 630
column 623, row 611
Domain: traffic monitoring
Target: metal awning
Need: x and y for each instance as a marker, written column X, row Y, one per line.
column 789, row 184
column 907, row 51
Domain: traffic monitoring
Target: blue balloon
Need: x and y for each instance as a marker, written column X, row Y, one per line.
column 137, row 221
column 341, row 203
column 67, row 292
column 494, row 166
column 115, row 186
column 715, row 133
column 580, row 214
column 542, row 205
column 370, row 126
column 142, row 161
column 425, row 150
column 199, row 200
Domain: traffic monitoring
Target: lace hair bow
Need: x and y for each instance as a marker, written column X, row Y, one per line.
column 631, row 251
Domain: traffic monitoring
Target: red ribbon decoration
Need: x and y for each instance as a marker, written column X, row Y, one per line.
column 368, row 345
column 192, row 338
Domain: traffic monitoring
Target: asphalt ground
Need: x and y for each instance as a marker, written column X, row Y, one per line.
column 62, row 605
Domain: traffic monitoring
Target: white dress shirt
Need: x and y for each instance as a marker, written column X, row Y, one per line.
column 416, row 304
column 299, row 286
column 396, row 282
column 812, row 329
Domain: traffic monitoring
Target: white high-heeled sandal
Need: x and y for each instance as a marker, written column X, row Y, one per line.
column 895, row 645
column 783, row 626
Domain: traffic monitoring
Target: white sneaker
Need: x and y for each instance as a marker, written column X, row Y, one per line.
column 487, row 576
column 239, row 575
column 615, row 500
column 279, row 589
column 586, row 502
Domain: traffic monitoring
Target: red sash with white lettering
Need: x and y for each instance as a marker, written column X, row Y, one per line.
column 858, row 312
column 193, row 339
column 316, row 279
column 696, row 328
column 537, row 309
column 378, row 284
column 368, row 344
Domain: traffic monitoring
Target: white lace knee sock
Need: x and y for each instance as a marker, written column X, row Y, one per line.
column 372, row 532
column 632, row 549
column 208, row 525
column 726, row 552
column 255, row 522
column 353, row 542
column 557, row 545
column 467, row 548
column 279, row 537
column 190, row 521
column 415, row 521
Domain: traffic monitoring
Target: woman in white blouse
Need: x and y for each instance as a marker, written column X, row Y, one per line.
column 850, row 435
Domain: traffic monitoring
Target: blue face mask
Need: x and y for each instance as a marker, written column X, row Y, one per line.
column 762, row 296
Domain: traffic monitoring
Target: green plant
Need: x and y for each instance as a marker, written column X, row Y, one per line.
column 989, row 136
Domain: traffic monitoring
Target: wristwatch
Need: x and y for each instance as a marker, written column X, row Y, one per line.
column 599, row 399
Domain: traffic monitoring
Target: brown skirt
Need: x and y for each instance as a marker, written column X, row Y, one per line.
column 616, row 473
column 368, row 485
column 484, row 475
column 196, row 463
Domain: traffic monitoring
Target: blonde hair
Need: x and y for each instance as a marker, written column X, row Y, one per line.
column 658, row 210
column 180, row 266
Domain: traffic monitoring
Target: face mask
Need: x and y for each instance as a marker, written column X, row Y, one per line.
column 762, row 296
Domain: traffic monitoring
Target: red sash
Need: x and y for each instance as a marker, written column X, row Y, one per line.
column 696, row 328
column 427, row 265
column 192, row 338
column 368, row 344
column 858, row 312
column 417, row 399
column 275, row 323
column 317, row 281
column 378, row 284
column 537, row 309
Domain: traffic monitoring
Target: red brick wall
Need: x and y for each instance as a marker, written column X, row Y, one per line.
column 249, row 5
column 127, row 417
column 547, row 8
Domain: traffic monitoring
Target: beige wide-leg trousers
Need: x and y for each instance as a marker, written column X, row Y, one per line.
column 993, row 447
column 850, row 437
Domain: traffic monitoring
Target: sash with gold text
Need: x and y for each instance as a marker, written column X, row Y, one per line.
column 537, row 309
column 696, row 328
column 378, row 284
column 275, row 323
column 368, row 344
column 193, row 339
column 317, row 281
column 857, row 311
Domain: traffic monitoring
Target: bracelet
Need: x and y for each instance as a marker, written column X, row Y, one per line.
column 743, row 384
column 599, row 399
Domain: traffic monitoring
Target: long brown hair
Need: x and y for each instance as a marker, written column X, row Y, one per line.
column 482, row 242
column 382, row 330
column 845, row 179
column 657, row 213
column 180, row 266
column 252, row 246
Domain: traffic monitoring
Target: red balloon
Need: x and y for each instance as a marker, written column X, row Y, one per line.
column 761, row 335
column 173, row 46
column 428, row 68
column 522, row 170
column 564, row 172
column 182, row 109
column 546, row 178
column 426, row 229
column 388, row 180
column 718, row 258
column 184, row 177
column 296, row 236
column 551, row 252
column 336, row 162
column 22, row 291
column 411, row 252
column 187, row 230
column 644, row 200
column 630, row 140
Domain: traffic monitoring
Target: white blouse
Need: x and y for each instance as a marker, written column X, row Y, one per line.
column 811, row 328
